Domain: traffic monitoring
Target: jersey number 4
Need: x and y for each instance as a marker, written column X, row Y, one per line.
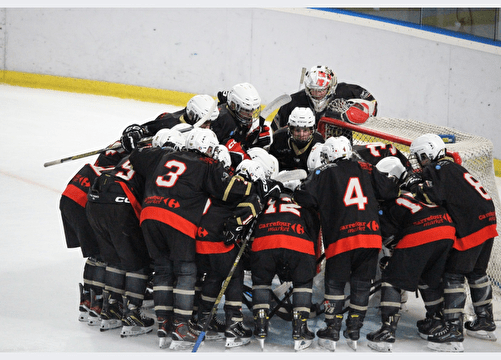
column 354, row 194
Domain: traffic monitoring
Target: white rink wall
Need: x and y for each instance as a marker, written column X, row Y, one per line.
column 413, row 74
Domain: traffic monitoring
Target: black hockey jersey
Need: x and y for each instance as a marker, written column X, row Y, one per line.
column 165, row 121
column 373, row 152
column 301, row 99
column 346, row 196
column 466, row 200
column 289, row 156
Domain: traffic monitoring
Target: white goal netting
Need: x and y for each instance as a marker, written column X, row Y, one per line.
column 473, row 152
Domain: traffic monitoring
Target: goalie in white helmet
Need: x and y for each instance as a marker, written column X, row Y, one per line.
column 321, row 88
column 240, row 126
column 292, row 144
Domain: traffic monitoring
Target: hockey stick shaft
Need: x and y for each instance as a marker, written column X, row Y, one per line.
column 213, row 312
column 301, row 80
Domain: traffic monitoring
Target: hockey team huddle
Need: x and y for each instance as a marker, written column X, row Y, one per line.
column 170, row 212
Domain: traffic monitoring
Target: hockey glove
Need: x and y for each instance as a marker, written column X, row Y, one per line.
column 269, row 188
column 265, row 138
column 222, row 97
column 411, row 182
column 232, row 231
column 131, row 136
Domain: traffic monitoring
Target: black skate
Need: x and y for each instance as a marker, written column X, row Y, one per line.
column 96, row 305
column 111, row 314
column 329, row 335
column 448, row 338
column 429, row 325
column 84, row 306
column 164, row 331
column 354, row 323
column 483, row 326
column 236, row 333
column 134, row 322
column 301, row 335
column 182, row 337
column 261, row 320
column 214, row 331
column 382, row 339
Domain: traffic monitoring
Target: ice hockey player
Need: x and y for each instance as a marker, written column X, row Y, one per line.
column 320, row 89
column 217, row 248
column 268, row 162
column 419, row 235
column 345, row 193
column 113, row 210
column 177, row 187
column 292, row 144
column 78, row 233
column 471, row 208
column 284, row 239
column 198, row 106
column 374, row 152
column 239, row 126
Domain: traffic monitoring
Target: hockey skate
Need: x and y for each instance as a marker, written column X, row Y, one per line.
column 301, row 335
column 236, row 333
column 84, row 306
column 134, row 322
column 261, row 320
column 96, row 304
column 329, row 335
column 215, row 330
column 354, row 323
column 164, row 331
column 448, row 338
column 383, row 339
column 182, row 337
column 483, row 326
column 111, row 314
column 429, row 325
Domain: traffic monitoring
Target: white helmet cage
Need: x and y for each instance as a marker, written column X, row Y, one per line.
column 202, row 140
column 392, row 166
column 268, row 162
column 199, row 106
column 336, row 148
column 245, row 102
column 222, row 154
column 320, row 83
column 315, row 159
column 301, row 117
column 251, row 170
column 169, row 137
column 427, row 147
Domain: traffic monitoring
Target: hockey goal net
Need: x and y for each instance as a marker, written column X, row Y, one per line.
column 473, row 152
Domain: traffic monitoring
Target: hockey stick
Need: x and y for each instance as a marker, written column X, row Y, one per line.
column 303, row 71
column 213, row 312
column 289, row 175
column 275, row 104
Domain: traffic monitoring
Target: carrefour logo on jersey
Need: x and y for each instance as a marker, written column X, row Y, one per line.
column 360, row 226
column 156, row 200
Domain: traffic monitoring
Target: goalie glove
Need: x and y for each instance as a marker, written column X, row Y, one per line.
column 357, row 112
column 131, row 136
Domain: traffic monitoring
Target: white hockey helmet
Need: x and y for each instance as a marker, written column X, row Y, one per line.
column 315, row 159
column 202, row 140
column 199, row 106
column 336, row 148
column 320, row 83
column 245, row 102
column 222, row 154
column 427, row 147
column 169, row 137
column 251, row 170
column 268, row 162
column 392, row 166
column 301, row 125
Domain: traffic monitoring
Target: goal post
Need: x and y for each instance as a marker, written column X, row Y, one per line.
column 473, row 152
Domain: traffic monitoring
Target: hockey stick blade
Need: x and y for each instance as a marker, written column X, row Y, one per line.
column 289, row 175
column 275, row 104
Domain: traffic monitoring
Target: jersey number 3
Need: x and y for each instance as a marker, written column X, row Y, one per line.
column 169, row 179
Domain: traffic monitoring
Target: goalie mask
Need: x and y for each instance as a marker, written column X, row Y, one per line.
column 320, row 84
column 250, row 170
column 301, row 126
column 392, row 166
column 268, row 162
column 203, row 141
column 198, row 107
column 336, row 148
column 169, row 137
column 245, row 102
column 427, row 148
